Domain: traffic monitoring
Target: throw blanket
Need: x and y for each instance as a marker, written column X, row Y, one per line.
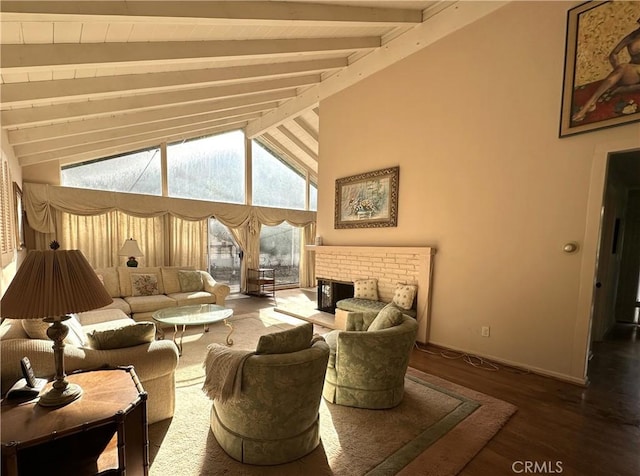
column 223, row 371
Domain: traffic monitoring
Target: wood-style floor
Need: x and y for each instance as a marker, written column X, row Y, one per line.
column 559, row 428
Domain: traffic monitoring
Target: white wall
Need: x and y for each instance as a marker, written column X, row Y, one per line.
column 472, row 120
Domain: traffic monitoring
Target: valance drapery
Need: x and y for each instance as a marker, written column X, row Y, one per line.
column 55, row 211
column 41, row 199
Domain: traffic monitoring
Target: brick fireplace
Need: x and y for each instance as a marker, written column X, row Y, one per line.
column 389, row 265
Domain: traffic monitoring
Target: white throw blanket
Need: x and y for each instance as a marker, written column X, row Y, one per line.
column 223, row 371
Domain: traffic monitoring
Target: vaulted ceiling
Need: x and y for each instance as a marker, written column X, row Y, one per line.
column 87, row 79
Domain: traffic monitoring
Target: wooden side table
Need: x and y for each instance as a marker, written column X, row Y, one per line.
column 103, row 432
column 261, row 282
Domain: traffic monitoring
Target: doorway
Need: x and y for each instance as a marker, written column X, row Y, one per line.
column 617, row 286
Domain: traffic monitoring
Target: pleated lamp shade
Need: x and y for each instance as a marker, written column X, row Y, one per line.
column 53, row 283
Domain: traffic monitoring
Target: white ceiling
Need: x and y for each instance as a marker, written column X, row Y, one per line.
column 87, row 79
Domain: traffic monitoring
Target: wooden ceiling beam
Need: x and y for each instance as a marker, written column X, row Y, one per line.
column 216, row 118
column 33, row 93
column 49, row 132
column 105, row 107
column 57, row 56
column 213, row 12
column 297, row 142
column 126, row 144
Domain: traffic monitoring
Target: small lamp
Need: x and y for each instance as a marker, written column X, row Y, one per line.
column 51, row 284
column 131, row 249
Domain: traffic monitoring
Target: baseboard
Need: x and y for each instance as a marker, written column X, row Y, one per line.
column 516, row 365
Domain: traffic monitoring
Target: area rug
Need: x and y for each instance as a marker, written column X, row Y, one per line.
column 436, row 430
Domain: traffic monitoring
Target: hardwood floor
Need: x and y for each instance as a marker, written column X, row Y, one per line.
column 572, row 430
column 563, row 428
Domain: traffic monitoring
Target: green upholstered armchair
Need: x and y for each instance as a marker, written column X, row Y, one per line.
column 369, row 359
column 275, row 417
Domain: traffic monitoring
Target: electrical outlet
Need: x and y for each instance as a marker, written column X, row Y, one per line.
column 484, row 331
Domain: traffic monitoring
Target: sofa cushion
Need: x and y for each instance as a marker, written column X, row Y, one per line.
column 125, row 272
column 188, row 299
column 404, row 295
column 357, row 305
column 389, row 316
column 284, row 342
column 149, row 303
column 170, row 278
column 119, row 304
column 109, row 277
column 127, row 336
column 190, row 281
column 365, row 289
column 144, row 284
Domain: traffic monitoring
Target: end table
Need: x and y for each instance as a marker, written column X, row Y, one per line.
column 103, row 432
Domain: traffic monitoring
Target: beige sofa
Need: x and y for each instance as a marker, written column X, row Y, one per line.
column 121, row 281
column 154, row 362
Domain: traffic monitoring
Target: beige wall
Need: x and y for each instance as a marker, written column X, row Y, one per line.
column 473, row 123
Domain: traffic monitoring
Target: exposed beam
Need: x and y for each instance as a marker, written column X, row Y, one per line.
column 30, row 134
column 103, row 107
column 428, row 32
column 216, row 12
column 216, row 118
column 306, row 127
column 273, row 142
column 33, row 93
column 52, row 57
column 126, row 144
column 298, row 143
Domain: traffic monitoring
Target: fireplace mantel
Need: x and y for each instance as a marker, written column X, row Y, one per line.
column 388, row 264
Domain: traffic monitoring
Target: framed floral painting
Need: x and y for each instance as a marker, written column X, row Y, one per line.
column 368, row 200
column 602, row 67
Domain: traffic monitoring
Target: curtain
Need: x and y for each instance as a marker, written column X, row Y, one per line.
column 307, row 260
column 188, row 243
column 170, row 231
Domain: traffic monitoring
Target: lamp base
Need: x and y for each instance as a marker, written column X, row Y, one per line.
column 132, row 263
column 56, row 397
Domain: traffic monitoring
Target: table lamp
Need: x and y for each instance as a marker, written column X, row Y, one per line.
column 131, row 249
column 49, row 285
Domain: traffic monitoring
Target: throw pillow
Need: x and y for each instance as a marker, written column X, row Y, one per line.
column 389, row 316
column 37, row 329
column 190, row 281
column 365, row 289
column 127, row 336
column 403, row 297
column 291, row 340
column 144, row 284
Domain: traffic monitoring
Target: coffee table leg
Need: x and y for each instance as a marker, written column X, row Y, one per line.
column 228, row 324
column 175, row 333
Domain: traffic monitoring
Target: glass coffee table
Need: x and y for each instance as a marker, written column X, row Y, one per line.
column 197, row 315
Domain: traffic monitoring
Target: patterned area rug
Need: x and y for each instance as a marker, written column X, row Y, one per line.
column 436, row 430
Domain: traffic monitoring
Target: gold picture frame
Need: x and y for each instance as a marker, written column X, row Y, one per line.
column 368, row 200
column 596, row 91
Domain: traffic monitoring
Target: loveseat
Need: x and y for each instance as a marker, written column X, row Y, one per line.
column 154, row 361
column 139, row 292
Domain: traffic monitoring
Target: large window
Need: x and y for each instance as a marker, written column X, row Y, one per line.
column 280, row 250
column 224, row 255
column 275, row 183
column 313, row 197
column 211, row 168
column 138, row 172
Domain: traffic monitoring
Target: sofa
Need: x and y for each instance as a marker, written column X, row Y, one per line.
column 369, row 359
column 154, row 361
column 139, row 292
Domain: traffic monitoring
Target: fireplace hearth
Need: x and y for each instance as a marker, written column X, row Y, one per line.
column 330, row 292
